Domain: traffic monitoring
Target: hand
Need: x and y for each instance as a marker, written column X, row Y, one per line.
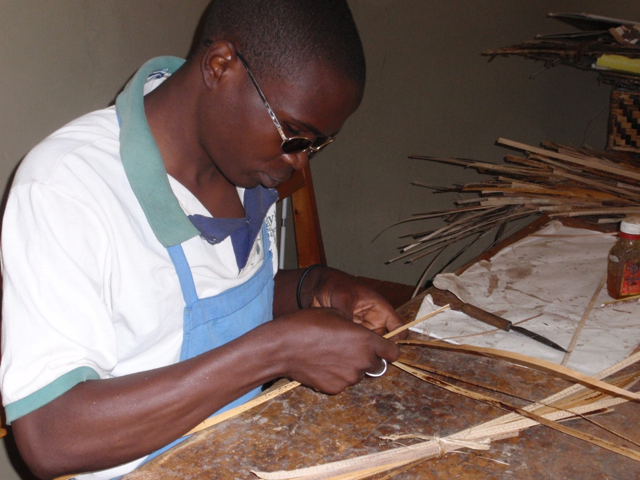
column 359, row 303
column 323, row 351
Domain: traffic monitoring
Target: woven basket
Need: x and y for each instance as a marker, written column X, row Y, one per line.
column 624, row 121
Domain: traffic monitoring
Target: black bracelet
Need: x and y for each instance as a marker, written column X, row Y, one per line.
column 304, row 274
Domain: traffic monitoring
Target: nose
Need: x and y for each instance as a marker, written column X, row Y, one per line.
column 297, row 160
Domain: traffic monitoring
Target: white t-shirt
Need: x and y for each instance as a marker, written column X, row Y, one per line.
column 89, row 291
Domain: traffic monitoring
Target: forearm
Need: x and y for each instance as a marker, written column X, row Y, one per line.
column 284, row 292
column 102, row 423
column 288, row 288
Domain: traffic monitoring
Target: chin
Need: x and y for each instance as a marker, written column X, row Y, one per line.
column 268, row 181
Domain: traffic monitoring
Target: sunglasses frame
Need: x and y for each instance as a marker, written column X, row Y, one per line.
column 311, row 149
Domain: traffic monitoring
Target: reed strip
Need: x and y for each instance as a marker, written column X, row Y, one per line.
column 583, row 320
column 530, row 362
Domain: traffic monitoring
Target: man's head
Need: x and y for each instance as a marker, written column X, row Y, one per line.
column 278, row 37
column 302, row 57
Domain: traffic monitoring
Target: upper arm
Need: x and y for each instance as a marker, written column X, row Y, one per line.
column 56, row 328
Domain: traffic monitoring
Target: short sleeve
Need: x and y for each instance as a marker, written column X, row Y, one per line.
column 56, row 324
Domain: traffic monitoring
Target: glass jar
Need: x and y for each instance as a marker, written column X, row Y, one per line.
column 623, row 272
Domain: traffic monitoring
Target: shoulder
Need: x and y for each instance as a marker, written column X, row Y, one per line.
column 90, row 140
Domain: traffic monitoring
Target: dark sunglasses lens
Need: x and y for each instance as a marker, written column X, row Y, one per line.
column 296, row 145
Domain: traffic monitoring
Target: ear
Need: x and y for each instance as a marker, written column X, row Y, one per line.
column 216, row 61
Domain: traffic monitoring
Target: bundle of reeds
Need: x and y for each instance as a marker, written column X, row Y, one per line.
column 557, row 180
column 580, row 53
column 597, row 37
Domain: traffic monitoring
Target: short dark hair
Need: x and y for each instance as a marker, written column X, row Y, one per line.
column 277, row 37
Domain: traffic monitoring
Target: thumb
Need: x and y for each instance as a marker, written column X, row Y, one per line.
column 387, row 349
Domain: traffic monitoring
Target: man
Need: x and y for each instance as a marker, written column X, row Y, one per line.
column 138, row 263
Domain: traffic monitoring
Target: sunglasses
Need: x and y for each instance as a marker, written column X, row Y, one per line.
column 289, row 144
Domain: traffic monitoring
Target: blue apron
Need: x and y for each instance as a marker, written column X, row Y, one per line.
column 211, row 322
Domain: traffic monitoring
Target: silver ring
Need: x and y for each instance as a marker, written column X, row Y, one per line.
column 381, row 372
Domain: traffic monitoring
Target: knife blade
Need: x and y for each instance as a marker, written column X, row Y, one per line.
column 443, row 297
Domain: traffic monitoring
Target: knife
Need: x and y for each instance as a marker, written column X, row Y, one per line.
column 443, row 297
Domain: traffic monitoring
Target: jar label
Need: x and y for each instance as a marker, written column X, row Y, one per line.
column 630, row 279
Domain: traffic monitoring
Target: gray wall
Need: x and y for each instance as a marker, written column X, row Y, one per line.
column 429, row 92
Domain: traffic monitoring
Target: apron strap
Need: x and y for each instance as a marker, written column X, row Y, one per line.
column 266, row 243
column 184, row 274
column 184, row 271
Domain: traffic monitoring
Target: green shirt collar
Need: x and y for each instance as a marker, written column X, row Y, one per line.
column 143, row 163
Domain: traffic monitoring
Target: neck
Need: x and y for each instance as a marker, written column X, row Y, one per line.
column 172, row 114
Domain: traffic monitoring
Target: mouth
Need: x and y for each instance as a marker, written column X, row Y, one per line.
column 272, row 182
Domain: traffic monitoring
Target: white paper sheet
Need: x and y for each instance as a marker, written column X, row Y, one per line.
column 547, row 279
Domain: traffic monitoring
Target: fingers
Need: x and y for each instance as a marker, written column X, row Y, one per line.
column 362, row 304
column 387, row 349
column 392, row 323
column 329, row 354
column 380, row 318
